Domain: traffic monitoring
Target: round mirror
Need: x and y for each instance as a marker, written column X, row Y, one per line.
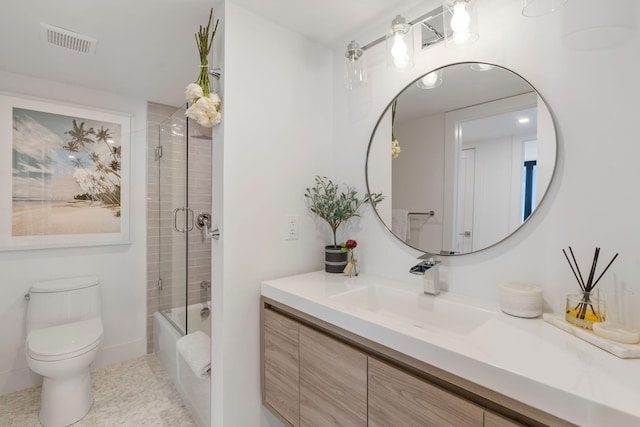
column 473, row 156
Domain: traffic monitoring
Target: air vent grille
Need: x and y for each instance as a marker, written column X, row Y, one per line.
column 68, row 39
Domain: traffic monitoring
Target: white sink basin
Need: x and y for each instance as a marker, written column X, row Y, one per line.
column 416, row 309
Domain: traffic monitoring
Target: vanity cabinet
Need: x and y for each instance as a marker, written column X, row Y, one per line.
column 315, row 374
column 397, row 398
column 333, row 382
column 309, row 378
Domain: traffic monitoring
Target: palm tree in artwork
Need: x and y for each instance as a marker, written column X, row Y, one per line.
column 80, row 136
column 106, row 137
column 105, row 179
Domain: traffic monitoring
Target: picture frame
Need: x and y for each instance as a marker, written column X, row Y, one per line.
column 64, row 175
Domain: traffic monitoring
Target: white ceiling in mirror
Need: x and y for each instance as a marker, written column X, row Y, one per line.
column 145, row 48
column 458, row 90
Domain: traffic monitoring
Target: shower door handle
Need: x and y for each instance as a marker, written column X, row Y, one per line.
column 189, row 219
column 175, row 220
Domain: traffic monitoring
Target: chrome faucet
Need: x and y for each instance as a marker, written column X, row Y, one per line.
column 430, row 271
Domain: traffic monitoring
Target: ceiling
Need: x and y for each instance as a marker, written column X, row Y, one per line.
column 461, row 87
column 329, row 22
column 146, row 47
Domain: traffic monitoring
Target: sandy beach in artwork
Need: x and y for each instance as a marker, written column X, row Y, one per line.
column 40, row 218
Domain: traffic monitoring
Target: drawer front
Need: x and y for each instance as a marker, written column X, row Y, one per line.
column 333, row 382
column 398, row 398
column 281, row 388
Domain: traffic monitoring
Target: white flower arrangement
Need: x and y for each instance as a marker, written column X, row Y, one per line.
column 395, row 149
column 395, row 145
column 206, row 104
column 204, row 109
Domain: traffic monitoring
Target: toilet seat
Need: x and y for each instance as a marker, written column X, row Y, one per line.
column 64, row 341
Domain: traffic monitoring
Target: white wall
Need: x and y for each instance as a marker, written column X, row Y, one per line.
column 275, row 137
column 592, row 202
column 121, row 268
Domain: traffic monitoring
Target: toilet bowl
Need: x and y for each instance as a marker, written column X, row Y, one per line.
column 64, row 336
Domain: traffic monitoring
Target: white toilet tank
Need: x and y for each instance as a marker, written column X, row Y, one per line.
column 55, row 302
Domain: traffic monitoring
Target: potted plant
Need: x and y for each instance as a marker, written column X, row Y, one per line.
column 336, row 207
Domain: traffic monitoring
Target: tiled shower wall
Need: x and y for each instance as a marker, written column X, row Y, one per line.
column 168, row 250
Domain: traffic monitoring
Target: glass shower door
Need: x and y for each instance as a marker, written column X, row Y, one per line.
column 184, row 160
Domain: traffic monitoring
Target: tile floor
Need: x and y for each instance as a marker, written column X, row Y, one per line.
column 133, row 393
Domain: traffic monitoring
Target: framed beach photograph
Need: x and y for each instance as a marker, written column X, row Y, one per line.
column 64, row 175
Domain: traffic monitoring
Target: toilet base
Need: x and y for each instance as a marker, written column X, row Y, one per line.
column 64, row 401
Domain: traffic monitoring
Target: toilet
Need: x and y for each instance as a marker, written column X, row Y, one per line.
column 64, row 335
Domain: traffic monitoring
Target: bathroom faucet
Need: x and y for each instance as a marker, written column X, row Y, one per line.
column 430, row 271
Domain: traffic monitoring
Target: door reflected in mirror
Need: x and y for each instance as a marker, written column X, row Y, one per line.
column 477, row 155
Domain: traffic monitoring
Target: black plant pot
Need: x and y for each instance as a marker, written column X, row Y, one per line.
column 335, row 260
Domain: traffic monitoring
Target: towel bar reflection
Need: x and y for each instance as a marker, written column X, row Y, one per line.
column 430, row 213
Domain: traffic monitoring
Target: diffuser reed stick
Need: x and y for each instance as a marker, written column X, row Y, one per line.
column 583, row 309
column 605, row 270
column 581, row 281
column 589, row 285
column 573, row 270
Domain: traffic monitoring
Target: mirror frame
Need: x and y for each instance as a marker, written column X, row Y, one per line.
column 542, row 199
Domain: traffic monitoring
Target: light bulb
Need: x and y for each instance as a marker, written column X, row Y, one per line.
column 430, row 79
column 479, row 66
column 399, row 52
column 460, row 20
column 399, row 48
column 399, row 41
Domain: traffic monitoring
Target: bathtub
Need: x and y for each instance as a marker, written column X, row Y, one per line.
column 195, row 391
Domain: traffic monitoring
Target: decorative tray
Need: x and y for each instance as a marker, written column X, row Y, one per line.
column 624, row 351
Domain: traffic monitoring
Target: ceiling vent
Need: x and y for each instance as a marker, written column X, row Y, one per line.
column 68, row 39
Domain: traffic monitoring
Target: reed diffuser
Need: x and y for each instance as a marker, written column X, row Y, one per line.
column 586, row 308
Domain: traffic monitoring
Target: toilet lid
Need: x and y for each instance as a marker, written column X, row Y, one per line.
column 64, row 341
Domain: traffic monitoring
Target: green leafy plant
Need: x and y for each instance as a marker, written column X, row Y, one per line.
column 335, row 206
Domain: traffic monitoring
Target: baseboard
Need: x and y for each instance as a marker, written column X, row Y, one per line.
column 12, row 381
column 120, row 353
column 20, row 379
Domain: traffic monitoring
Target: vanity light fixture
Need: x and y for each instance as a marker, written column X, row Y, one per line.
column 534, row 8
column 460, row 23
column 355, row 71
column 400, row 45
column 431, row 80
column 523, row 120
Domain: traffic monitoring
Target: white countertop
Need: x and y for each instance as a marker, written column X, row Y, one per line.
column 526, row 359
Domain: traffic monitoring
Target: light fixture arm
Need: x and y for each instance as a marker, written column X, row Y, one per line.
column 420, row 19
